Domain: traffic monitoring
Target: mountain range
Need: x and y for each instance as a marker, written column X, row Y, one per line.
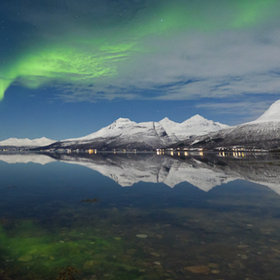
column 26, row 142
column 126, row 134
column 263, row 133
column 196, row 132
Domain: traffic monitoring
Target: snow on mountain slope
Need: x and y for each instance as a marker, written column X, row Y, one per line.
column 196, row 125
column 25, row 142
column 265, row 129
column 123, row 132
column 263, row 133
column 272, row 114
column 116, row 129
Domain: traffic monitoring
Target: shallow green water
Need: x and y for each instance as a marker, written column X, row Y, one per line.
column 66, row 221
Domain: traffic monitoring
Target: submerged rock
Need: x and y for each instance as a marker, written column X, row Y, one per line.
column 25, row 258
column 198, row 269
column 141, row 235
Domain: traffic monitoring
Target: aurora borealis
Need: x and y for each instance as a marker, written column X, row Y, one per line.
column 89, row 51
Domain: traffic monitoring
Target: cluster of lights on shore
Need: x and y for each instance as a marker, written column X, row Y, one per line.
column 234, row 152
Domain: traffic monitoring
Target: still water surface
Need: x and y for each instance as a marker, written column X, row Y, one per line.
column 139, row 217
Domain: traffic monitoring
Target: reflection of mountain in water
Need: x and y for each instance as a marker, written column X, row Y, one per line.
column 129, row 170
column 26, row 158
column 203, row 172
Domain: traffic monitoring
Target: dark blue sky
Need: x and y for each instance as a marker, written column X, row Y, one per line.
column 69, row 68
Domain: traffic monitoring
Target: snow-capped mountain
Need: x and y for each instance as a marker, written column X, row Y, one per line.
column 126, row 134
column 196, row 125
column 25, row 142
column 121, row 134
column 263, row 133
column 130, row 131
column 270, row 115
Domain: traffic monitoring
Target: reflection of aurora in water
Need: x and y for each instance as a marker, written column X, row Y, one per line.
column 51, row 221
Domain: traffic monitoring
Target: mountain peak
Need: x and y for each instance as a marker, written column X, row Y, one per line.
column 122, row 120
column 43, row 138
column 196, row 118
column 271, row 114
column 166, row 121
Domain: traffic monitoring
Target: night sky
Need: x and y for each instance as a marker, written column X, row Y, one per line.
column 68, row 68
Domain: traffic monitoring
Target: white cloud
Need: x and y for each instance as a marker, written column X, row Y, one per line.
column 221, row 64
column 246, row 110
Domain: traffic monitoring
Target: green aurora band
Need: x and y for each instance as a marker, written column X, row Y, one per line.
column 85, row 59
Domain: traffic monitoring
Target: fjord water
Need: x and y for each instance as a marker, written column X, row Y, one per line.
column 139, row 217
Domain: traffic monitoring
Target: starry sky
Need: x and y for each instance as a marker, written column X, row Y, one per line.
column 68, row 67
